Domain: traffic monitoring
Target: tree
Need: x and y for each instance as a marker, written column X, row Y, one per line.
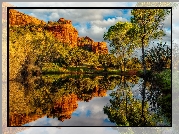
column 103, row 60
column 134, row 63
column 29, row 45
column 159, row 57
column 147, row 26
column 120, row 40
column 126, row 110
column 76, row 56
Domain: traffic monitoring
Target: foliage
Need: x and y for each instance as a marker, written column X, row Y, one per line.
column 27, row 43
column 160, row 93
column 159, row 57
column 147, row 25
column 126, row 111
column 133, row 64
column 120, row 40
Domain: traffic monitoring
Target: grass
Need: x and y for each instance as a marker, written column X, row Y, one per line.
column 51, row 68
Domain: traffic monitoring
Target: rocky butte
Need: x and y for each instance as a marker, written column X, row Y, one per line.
column 18, row 18
column 67, row 34
column 63, row 30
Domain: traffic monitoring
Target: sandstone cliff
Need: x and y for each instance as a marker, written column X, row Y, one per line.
column 67, row 34
column 18, row 18
column 63, row 30
column 89, row 44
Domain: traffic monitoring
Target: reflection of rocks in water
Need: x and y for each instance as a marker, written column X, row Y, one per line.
column 95, row 92
column 60, row 107
column 64, row 107
column 99, row 92
column 21, row 119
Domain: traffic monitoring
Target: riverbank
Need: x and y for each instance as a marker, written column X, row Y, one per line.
column 54, row 69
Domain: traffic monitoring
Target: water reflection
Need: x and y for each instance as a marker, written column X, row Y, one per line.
column 81, row 100
column 152, row 108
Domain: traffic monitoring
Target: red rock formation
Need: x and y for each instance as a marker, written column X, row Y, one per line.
column 67, row 34
column 63, row 30
column 18, row 18
column 100, row 47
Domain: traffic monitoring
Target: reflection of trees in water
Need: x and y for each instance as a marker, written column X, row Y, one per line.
column 160, row 98
column 39, row 97
column 85, row 88
column 125, row 110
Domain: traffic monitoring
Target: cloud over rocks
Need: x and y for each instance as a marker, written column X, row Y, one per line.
column 97, row 28
column 98, row 19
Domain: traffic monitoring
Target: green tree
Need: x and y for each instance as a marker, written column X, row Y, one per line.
column 126, row 110
column 159, row 57
column 120, row 40
column 147, row 26
column 134, row 63
column 30, row 46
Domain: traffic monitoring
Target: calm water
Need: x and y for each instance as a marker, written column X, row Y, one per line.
column 65, row 100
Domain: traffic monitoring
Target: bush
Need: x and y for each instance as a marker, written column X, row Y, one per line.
column 158, row 58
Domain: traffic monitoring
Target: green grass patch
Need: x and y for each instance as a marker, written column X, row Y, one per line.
column 78, row 68
column 50, row 67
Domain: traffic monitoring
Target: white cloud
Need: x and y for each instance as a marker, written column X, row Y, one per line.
column 54, row 16
column 108, row 22
column 167, row 21
column 98, row 27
